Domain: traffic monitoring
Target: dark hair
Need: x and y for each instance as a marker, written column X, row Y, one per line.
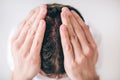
column 52, row 59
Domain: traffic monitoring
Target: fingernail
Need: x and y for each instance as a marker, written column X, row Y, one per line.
column 65, row 9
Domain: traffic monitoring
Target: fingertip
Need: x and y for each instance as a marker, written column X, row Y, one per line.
column 72, row 11
column 43, row 11
column 65, row 9
column 43, row 5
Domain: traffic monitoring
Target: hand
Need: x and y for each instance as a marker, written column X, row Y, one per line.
column 26, row 44
column 80, row 50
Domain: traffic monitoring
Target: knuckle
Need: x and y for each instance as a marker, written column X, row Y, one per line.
column 73, row 37
column 34, row 59
column 29, row 23
column 94, row 46
column 32, row 32
column 68, row 47
column 83, row 60
column 24, row 32
column 89, row 53
column 16, row 44
column 87, row 50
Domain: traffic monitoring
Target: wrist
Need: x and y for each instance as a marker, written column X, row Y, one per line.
column 94, row 76
column 16, row 76
column 91, row 76
column 88, row 78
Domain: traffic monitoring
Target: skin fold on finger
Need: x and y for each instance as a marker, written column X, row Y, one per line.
column 66, row 44
column 37, row 42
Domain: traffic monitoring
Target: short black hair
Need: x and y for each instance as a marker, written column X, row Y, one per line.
column 52, row 59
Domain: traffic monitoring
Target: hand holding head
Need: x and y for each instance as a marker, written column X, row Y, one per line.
column 79, row 47
column 26, row 44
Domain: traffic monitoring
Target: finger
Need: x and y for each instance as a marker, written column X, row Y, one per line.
column 37, row 42
column 66, row 44
column 68, row 19
column 80, row 21
column 65, row 16
column 43, row 11
column 18, row 31
column 26, row 40
column 79, row 32
column 92, row 44
column 41, row 15
column 85, row 28
column 76, row 48
column 90, row 38
column 24, row 30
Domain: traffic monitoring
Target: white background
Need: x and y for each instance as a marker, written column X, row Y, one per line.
column 104, row 15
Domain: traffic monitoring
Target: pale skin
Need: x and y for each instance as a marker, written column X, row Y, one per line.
column 79, row 47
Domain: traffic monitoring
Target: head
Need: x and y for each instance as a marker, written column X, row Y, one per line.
column 52, row 59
